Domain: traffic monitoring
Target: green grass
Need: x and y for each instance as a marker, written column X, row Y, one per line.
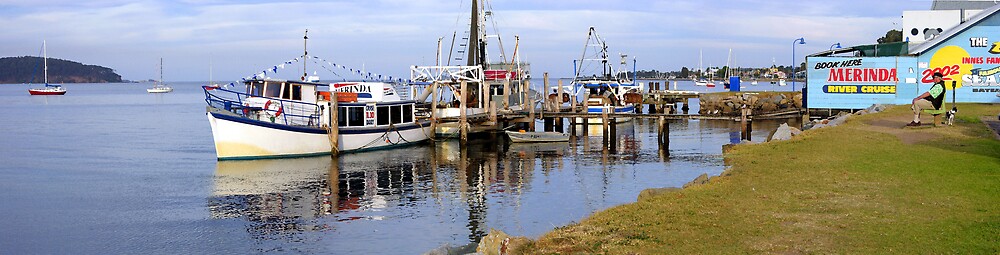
column 848, row 189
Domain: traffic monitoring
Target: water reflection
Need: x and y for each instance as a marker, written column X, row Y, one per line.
column 414, row 199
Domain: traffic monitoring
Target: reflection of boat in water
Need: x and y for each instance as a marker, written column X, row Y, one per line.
column 536, row 137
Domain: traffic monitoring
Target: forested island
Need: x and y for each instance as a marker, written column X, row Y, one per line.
column 28, row 69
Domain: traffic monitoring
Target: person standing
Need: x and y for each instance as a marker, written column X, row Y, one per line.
column 932, row 99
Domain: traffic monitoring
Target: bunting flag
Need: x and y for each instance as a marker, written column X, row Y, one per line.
column 366, row 76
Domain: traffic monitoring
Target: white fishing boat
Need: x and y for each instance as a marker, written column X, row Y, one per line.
column 536, row 137
column 158, row 86
column 610, row 92
column 49, row 89
column 271, row 118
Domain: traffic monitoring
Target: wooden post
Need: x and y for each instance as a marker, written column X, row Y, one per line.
column 506, row 94
column 559, row 125
column 434, row 105
column 463, row 121
column 572, row 127
column 586, row 125
column 744, row 130
column 572, row 103
column 559, row 99
column 529, row 105
column 334, row 125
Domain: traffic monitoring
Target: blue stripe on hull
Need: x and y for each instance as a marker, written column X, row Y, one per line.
column 625, row 109
column 276, row 156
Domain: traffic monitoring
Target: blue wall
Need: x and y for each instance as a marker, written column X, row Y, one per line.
column 971, row 58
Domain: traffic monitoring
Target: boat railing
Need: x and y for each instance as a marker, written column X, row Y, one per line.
column 274, row 110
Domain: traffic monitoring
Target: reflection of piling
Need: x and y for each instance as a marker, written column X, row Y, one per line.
column 604, row 120
column 745, row 123
column 663, row 133
column 463, row 122
column 333, row 191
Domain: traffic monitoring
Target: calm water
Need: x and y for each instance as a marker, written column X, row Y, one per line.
column 108, row 168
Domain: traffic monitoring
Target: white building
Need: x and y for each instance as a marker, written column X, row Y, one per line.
column 920, row 26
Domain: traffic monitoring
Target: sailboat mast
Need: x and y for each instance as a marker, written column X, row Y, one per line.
column 45, row 62
column 473, row 48
column 161, row 70
column 305, row 54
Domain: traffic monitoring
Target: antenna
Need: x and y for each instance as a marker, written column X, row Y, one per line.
column 305, row 54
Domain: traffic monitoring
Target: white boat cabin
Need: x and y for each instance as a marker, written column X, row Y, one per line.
column 287, row 90
column 371, row 104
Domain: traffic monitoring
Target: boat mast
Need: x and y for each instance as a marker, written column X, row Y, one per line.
column 45, row 62
column 305, row 54
column 474, row 41
column 161, row 71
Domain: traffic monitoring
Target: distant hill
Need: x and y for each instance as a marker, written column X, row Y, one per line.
column 29, row 70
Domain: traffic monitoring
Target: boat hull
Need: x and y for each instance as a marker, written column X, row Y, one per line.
column 159, row 90
column 238, row 138
column 36, row 92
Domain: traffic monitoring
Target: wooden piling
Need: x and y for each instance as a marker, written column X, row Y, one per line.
column 744, row 123
column 334, row 125
column 434, row 105
column 559, row 125
column 530, row 105
column 506, row 94
column 612, row 135
column 559, row 99
column 463, row 122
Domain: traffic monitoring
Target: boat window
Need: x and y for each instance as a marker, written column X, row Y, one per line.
column 407, row 113
column 272, row 90
column 286, row 91
column 296, row 92
column 256, row 89
column 356, row 116
column 383, row 115
column 397, row 114
column 342, row 116
column 292, row 92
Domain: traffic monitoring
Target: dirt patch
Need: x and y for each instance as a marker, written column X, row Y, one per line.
column 894, row 125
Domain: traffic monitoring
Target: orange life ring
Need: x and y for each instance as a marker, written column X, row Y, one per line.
column 267, row 107
column 246, row 109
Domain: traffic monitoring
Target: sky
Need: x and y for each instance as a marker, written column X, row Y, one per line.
column 225, row 40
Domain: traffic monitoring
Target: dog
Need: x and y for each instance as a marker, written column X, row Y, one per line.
column 950, row 116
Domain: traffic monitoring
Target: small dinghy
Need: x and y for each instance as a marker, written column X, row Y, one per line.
column 536, row 137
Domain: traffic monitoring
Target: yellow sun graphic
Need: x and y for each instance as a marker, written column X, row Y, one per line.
column 949, row 56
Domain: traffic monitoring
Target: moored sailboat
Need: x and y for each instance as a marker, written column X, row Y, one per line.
column 49, row 89
column 159, row 87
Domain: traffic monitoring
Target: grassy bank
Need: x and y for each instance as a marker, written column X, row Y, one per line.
column 868, row 186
